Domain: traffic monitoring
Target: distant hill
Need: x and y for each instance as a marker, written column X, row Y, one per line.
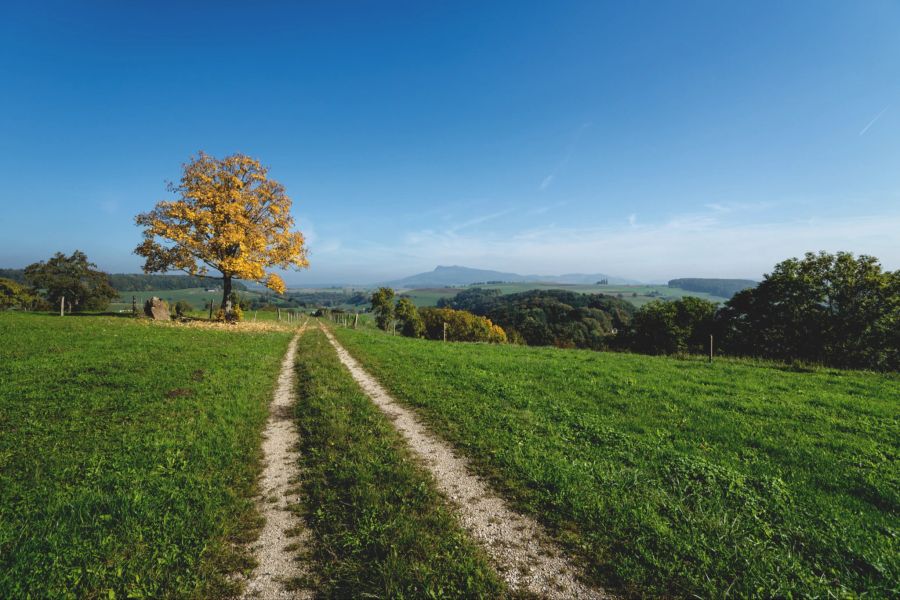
column 724, row 288
column 455, row 275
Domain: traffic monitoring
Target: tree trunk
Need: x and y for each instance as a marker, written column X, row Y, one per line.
column 226, row 289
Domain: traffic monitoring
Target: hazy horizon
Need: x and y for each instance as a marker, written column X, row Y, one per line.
column 644, row 141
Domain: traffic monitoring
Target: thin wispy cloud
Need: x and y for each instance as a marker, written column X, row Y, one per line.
column 873, row 121
column 540, row 210
column 688, row 245
column 547, row 181
column 570, row 151
column 479, row 220
column 731, row 207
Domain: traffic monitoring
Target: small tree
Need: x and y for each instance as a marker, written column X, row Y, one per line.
column 411, row 324
column 668, row 327
column 229, row 217
column 15, row 295
column 837, row 309
column 74, row 277
column 383, row 307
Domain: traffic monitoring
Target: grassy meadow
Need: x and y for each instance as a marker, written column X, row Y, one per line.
column 638, row 295
column 197, row 297
column 674, row 477
column 128, row 454
column 381, row 529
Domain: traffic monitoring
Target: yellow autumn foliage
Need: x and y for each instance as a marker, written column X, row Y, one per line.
column 462, row 326
column 229, row 217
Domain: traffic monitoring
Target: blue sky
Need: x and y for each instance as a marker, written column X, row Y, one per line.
column 644, row 140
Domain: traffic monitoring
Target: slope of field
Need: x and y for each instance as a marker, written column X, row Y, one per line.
column 674, row 477
column 128, row 454
column 382, row 531
column 197, row 297
column 636, row 294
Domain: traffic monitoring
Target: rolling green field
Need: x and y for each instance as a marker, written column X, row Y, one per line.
column 197, row 297
column 128, row 454
column 636, row 294
column 381, row 529
column 675, row 477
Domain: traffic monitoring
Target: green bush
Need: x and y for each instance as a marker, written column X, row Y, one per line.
column 411, row 324
column 671, row 327
column 383, row 307
column 182, row 308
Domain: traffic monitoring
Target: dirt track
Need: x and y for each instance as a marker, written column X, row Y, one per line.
column 278, row 565
column 520, row 549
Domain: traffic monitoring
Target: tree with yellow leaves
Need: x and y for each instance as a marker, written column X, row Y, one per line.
column 229, row 217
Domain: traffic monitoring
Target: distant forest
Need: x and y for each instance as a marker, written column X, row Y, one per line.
column 147, row 283
column 143, row 283
column 723, row 288
column 548, row 317
column 327, row 299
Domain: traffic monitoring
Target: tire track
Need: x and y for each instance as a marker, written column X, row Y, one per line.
column 278, row 565
column 520, row 548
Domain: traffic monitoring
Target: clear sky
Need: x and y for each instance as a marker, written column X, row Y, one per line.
column 645, row 140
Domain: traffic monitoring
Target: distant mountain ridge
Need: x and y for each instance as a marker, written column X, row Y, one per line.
column 443, row 276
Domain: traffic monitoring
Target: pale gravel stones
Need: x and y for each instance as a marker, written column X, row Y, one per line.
column 522, row 552
column 277, row 563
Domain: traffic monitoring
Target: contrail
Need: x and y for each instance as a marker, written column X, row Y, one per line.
column 872, row 122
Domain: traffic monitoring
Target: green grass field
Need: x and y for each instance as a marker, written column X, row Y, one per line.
column 197, row 297
column 128, row 454
column 675, row 477
column 636, row 294
column 381, row 529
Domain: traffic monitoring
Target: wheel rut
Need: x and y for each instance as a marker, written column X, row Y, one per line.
column 521, row 550
column 284, row 532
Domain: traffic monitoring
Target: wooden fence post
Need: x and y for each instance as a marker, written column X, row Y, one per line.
column 710, row 348
column 445, row 331
column 355, row 320
column 62, row 306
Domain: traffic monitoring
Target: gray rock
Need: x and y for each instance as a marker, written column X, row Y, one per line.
column 156, row 309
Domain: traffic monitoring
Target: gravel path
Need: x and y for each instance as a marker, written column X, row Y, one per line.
column 518, row 545
column 280, row 477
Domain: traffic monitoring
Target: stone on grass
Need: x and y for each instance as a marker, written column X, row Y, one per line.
column 156, row 309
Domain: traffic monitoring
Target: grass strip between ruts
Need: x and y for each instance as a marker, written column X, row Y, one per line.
column 380, row 528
